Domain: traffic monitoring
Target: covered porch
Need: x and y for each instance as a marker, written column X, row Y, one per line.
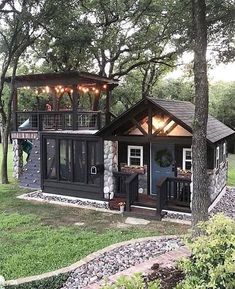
column 154, row 160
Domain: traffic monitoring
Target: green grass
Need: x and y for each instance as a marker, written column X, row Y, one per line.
column 231, row 170
column 37, row 238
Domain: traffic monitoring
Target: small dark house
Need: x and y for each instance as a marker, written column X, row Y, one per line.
column 142, row 157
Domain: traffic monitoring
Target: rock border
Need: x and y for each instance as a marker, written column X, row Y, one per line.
column 83, row 261
column 28, row 197
column 167, row 259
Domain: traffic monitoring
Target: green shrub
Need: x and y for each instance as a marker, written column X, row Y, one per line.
column 213, row 254
column 134, row 282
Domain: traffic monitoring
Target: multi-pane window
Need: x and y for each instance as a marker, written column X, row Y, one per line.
column 217, row 157
column 187, row 159
column 224, row 151
column 135, row 156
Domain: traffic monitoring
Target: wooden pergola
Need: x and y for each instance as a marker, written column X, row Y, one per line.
column 75, row 80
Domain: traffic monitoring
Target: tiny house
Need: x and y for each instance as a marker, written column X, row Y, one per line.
column 143, row 157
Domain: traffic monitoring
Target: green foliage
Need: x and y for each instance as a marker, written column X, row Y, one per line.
column 231, row 170
column 55, row 282
column 212, row 262
column 221, row 103
column 134, row 282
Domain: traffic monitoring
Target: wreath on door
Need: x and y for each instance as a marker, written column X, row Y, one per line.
column 164, row 158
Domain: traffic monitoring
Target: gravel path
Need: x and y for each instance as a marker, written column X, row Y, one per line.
column 119, row 259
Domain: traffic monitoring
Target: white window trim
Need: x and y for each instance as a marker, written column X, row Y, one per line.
column 217, row 157
column 140, row 157
column 184, row 157
column 224, row 150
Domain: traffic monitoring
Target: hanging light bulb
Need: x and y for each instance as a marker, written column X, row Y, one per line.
column 71, row 90
column 97, row 91
column 47, row 89
column 105, row 86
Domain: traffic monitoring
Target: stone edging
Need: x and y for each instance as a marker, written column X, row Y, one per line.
column 167, row 259
column 81, row 262
column 63, row 204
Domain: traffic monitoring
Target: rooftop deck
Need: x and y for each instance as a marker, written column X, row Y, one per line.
column 58, row 120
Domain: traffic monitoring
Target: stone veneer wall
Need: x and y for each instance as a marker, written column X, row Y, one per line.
column 217, row 180
column 17, row 159
column 110, row 165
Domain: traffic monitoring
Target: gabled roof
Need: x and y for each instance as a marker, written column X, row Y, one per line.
column 182, row 112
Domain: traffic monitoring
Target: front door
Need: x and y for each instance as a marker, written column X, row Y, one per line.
column 162, row 159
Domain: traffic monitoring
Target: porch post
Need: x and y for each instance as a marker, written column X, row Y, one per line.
column 75, row 96
column 107, row 106
column 150, row 124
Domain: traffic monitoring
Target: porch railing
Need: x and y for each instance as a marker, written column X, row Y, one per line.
column 57, row 120
column 126, row 185
column 132, row 186
column 173, row 193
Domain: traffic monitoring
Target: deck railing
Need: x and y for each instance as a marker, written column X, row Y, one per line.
column 126, row 185
column 57, row 120
column 120, row 183
column 173, row 193
column 132, row 186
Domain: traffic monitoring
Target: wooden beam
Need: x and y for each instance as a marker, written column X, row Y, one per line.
column 164, row 125
column 75, row 98
column 150, row 120
column 107, row 107
column 135, row 122
column 170, row 129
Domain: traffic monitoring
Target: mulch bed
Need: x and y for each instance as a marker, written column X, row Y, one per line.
column 169, row 277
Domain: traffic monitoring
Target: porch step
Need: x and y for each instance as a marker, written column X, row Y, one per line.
column 143, row 211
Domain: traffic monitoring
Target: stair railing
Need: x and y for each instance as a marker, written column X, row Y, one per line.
column 132, row 187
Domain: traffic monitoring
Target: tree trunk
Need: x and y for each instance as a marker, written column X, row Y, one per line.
column 4, row 174
column 200, row 199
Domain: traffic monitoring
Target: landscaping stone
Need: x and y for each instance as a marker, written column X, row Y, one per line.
column 136, row 221
column 226, row 204
column 68, row 200
column 119, row 259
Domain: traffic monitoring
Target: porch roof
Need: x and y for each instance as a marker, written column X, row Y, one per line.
column 61, row 78
column 181, row 111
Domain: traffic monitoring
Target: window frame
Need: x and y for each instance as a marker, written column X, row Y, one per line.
column 224, row 151
column 184, row 160
column 129, row 148
column 217, row 158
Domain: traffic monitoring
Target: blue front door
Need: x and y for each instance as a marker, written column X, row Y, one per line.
column 158, row 169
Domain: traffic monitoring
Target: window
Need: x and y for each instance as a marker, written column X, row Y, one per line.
column 224, row 151
column 217, row 157
column 187, row 159
column 135, row 156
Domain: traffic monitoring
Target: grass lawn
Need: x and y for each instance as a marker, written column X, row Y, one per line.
column 36, row 238
column 231, row 171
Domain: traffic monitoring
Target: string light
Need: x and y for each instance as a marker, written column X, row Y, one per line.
column 60, row 89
